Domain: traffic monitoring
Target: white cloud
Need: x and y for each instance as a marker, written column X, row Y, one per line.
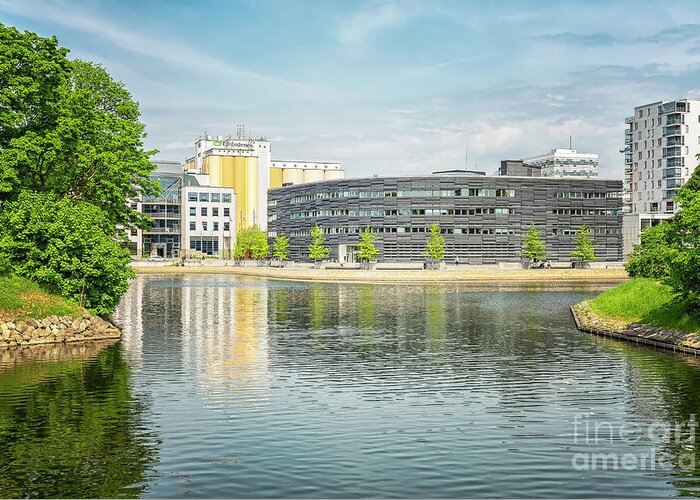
column 366, row 24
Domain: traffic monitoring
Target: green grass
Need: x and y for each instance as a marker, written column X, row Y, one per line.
column 644, row 300
column 21, row 298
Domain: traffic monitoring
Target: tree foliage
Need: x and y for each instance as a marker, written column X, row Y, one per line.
column 585, row 245
column 280, row 247
column 534, row 248
column 367, row 250
column 651, row 258
column 251, row 243
column 317, row 250
column 435, row 244
column 66, row 246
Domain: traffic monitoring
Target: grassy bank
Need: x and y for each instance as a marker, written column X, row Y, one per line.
column 643, row 300
column 21, row 298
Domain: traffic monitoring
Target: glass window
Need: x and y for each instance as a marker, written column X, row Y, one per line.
column 191, row 196
column 226, row 197
column 204, row 211
column 204, row 226
column 227, row 226
column 227, row 212
column 193, row 211
column 215, row 211
column 193, row 226
column 215, row 226
column 203, row 196
column 215, row 197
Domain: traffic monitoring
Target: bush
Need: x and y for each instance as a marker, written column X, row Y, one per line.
column 66, row 246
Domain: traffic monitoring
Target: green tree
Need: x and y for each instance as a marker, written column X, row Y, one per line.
column 533, row 247
column 585, row 246
column 367, row 249
column 66, row 246
column 280, row 248
column 67, row 128
column 317, row 250
column 251, row 243
column 651, row 258
column 435, row 245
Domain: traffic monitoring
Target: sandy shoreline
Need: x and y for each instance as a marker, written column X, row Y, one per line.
column 490, row 276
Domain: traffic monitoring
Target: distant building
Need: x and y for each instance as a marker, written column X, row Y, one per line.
column 519, row 169
column 246, row 166
column 662, row 141
column 565, row 163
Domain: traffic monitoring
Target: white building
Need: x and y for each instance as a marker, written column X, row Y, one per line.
column 662, row 140
column 208, row 219
column 565, row 163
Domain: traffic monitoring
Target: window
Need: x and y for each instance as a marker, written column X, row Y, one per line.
column 204, row 226
column 191, row 196
column 204, row 211
column 215, row 197
column 215, row 211
column 226, row 197
column 227, row 226
column 227, row 212
column 215, row 226
column 193, row 226
column 203, row 196
column 193, row 211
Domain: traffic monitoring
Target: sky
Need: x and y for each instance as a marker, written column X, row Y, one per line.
column 386, row 87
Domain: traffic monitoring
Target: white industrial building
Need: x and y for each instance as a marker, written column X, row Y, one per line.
column 565, row 163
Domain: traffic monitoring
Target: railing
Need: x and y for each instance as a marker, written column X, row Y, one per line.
column 672, row 151
column 162, row 215
column 629, row 119
column 674, row 119
column 672, row 130
column 174, row 229
column 675, row 141
column 672, row 172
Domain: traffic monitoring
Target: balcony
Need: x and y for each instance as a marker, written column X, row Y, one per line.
column 628, row 158
column 160, row 230
column 675, row 141
column 672, row 172
column 674, row 119
column 674, row 107
column 675, row 162
column 672, row 130
column 671, row 194
column 629, row 119
column 673, row 183
column 672, row 151
column 628, row 138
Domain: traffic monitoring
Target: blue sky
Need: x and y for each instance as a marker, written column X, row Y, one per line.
column 386, row 87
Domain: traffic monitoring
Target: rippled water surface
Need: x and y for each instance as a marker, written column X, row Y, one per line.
column 224, row 387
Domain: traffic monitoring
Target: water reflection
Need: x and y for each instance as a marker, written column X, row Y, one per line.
column 70, row 426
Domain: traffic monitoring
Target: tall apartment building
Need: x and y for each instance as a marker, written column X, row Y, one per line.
column 245, row 165
column 662, row 140
column 565, row 163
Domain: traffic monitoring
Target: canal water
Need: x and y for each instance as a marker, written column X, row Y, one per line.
column 226, row 387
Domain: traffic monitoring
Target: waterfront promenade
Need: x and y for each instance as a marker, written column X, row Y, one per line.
column 491, row 275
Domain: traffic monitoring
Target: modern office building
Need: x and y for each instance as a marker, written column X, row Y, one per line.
column 245, row 165
column 518, row 168
column 662, row 141
column 187, row 215
column 482, row 218
column 565, row 163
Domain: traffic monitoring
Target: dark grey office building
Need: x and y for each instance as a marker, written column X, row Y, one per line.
column 482, row 218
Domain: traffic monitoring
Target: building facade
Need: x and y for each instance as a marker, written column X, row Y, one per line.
column 565, row 163
column 519, row 169
column 209, row 220
column 482, row 218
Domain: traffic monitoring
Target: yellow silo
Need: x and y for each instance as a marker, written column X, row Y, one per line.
column 313, row 174
column 276, row 177
column 293, row 176
column 330, row 175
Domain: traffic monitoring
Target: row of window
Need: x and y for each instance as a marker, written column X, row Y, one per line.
column 214, row 226
column 214, row 211
column 456, row 230
column 340, row 212
column 213, row 197
column 589, row 195
column 415, row 193
column 585, row 211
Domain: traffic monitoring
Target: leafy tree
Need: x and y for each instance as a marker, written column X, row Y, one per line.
column 317, row 250
column 251, row 243
column 684, row 263
column 651, row 258
column 67, row 128
column 435, row 244
column 533, row 247
column 366, row 247
column 585, row 246
column 66, row 246
column 280, row 248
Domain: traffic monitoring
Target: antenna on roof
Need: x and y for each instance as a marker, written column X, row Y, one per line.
column 466, row 156
column 570, row 142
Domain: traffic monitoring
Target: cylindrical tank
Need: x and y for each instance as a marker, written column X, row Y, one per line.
column 313, row 174
column 292, row 176
column 330, row 175
column 239, row 187
column 251, row 203
column 276, row 177
column 212, row 166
